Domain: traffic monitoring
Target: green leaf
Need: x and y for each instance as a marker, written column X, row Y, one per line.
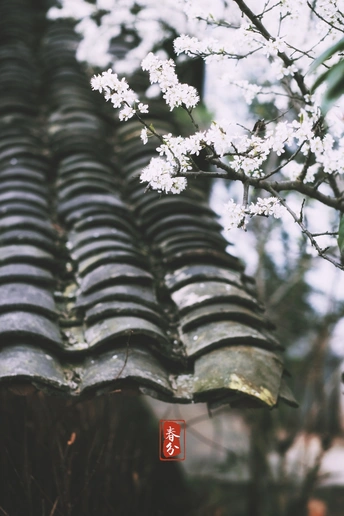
column 338, row 47
column 336, row 71
column 323, row 77
column 335, row 81
column 340, row 239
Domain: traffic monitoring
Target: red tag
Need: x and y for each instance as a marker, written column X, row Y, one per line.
column 172, row 439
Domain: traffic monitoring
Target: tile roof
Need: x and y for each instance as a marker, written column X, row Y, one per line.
column 104, row 286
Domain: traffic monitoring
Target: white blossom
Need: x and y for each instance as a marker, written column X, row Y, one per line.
column 144, row 135
column 97, row 83
column 119, row 93
column 178, row 185
column 235, row 215
column 267, row 206
column 143, row 108
column 176, row 151
column 126, row 113
column 163, row 73
column 159, row 174
column 187, row 44
column 219, row 138
column 283, row 135
column 292, row 170
column 208, row 48
column 253, row 68
column 280, row 70
column 195, row 143
column 273, row 46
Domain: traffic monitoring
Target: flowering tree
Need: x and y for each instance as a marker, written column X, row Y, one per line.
column 260, row 52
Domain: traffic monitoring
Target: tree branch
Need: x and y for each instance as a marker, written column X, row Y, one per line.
column 279, row 186
column 266, row 34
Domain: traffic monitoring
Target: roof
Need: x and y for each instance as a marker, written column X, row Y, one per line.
column 104, row 286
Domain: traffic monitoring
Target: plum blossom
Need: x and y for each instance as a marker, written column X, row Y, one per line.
column 144, row 135
column 181, row 94
column 268, row 206
column 280, row 70
column 274, row 46
column 143, row 108
column 163, row 73
column 119, row 93
column 283, row 135
column 235, row 215
column 126, row 113
column 208, row 48
column 233, row 37
column 218, row 137
column 177, row 152
column 160, row 175
column 187, row 44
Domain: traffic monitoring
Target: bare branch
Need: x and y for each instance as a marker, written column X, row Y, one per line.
column 309, row 235
column 245, row 196
column 328, row 233
column 291, row 158
column 279, row 186
column 305, row 167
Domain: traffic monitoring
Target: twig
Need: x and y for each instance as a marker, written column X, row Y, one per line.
column 301, row 210
column 245, row 196
column 266, row 10
column 329, row 233
column 323, row 19
column 149, row 127
column 189, row 112
column 334, row 186
column 305, row 167
column 279, row 186
column 203, row 55
column 277, row 169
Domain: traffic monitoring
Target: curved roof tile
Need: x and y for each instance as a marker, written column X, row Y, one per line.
column 146, row 294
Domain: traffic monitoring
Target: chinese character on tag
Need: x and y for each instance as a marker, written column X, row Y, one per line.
column 172, row 440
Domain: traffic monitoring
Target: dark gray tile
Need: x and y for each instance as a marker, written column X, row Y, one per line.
column 247, row 371
column 197, row 294
column 113, row 273
column 222, row 333
column 19, row 324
